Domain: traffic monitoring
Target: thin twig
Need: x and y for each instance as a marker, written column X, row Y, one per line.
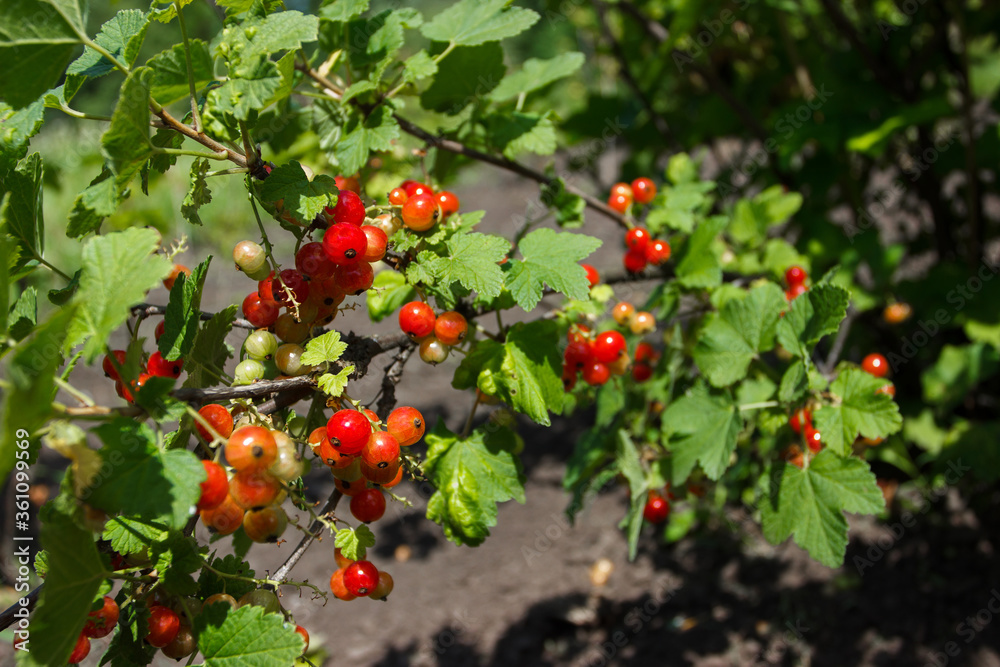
column 145, row 310
column 838, row 342
column 7, row 617
column 306, row 541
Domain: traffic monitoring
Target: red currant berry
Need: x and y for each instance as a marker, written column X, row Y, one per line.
column 381, row 450
column 420, row 212
column 160, row 367
column 259, row 312
column 178, row 269
column 251, row 448
column 384, row 587
column 356, row 278
column 619, row 203
column 301, row 632
column 593, row 277
column 218, row 418
column 368, row 505
column 109, row 366
column 254, row 489
column 251, row 259
column 578, row 332
column 644, row 352
column 578, row 354
column 596, row 373
column 657, row 252
column 102, row 622
column 215, row 488
column 406, row 424
column 448, row 203
column 568, row 378
column 80, row 650
column 813, row 439
column 888, row 390
column 450, row 327
column 398, row 196
column 637, row 238
column 349, row 209
column 416, row 319
column 897, row 313
column 349, row 431
column 608, row 346
column 643, row 189
column 377, row 241
column 360, row 578
column 345, row 244
column 433, row 351
column 348, row 183
column 224, row 519
column 801, row 416
column 795, row 291
column 337, row 586
column 657, row 508
column 795, row 275
column 265, row 525
column 380, row 476
column 164, row 623
column 311, row 260
column 875, row 364
column 415, row 188
column 622, row 190
column 183, row 645
column 641, row 371
column 635, row 260
column 160, row 329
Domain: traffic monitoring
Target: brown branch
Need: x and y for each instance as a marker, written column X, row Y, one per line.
column 393, row 374
column 459, row 148
column 144, row 310
column 7, row 617
column 314, row 530
column 172, row 123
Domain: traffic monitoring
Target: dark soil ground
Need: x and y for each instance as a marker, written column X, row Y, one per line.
column 528, row 596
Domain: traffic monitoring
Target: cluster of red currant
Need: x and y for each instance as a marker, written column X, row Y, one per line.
column 421, row 207
column 435, row 333
column 156, row 366
column 643, row 250
column 642, row 191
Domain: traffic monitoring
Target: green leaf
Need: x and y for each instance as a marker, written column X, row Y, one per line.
column 472, row 260
column 518, row 133
column 874, row 142
column 858, row 409
column 253, row 87
column 681, row 169
column 627, row 462
column 22, row 213
column 794, row 382
column 128, row 645
column 326, row 348
column 97, row 201
column 734, row 336
column 170, row 75
column 353, row 542
column 118, row 270
column 388, row 293
column 525, row 371
column 126, row 141
column 206, row 361
column 30, row 369
column 37, row 40
column 210, row 583
column 342, row 11
column 550, row 258
column 569, row 207
column 957, row 371
column 465, row 75
column 180, row 322
column 334, row 385
column 122, row 36
column 753, row 217
column 699, row 266
column 75, row 574
column 144, row 481
column 129, row 535
column 375, row 41
column 176, row 560
column 198, row 193
column 248, row 636
column 24, row 314
column 261, row 37
column 815, row 314
column 362, row 136
column 536, row 74
column 809, row 504
column 471, row 22
column 471, row 476
column 419, row 66
column 701, row 427
column 304, row 199
column 59, row 297
column 17, row 127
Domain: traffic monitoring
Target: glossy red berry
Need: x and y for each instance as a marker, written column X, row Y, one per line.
column 345, row 244
column 360, row 578
column 311, row 261
column 356, row 278
column 349, row 431
column 160, row 367
column 251, row 448
column 368, row 505
column 795, row 291
column 109, row 367
column 349, row 183
column 102, row 622
column 619, row 203
column 80, row 650
column 795, row 275
column 657, row 508
column 406, row 424
column 644, row 190
column 289, row 285
column 578, row 354
column 801, row 416
column 451, row 327
column 349, row 209
column 254, row 489
column 622, row 190
column 596, row 373
column 813, row 439
column 398, row 196
column 416, row 319
column 657, row 252
column 218, row 418
column 164, row 623
column 637, row 238
column 265, row 525
column 448, row 203
column 381, row 450
column 578, row 332
column 635, row 260
column 215, row 488
column 377, row 241
column 178, row 269
column 259, row 312
column 385, row 586
column 224, row 519
column 593, row 277
column 641, row 371
column 337, row 586
column 607, row 346
column 420, row 212
column 644, row 352
column 875, row 364
column 302, row 632
column 414, row 188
